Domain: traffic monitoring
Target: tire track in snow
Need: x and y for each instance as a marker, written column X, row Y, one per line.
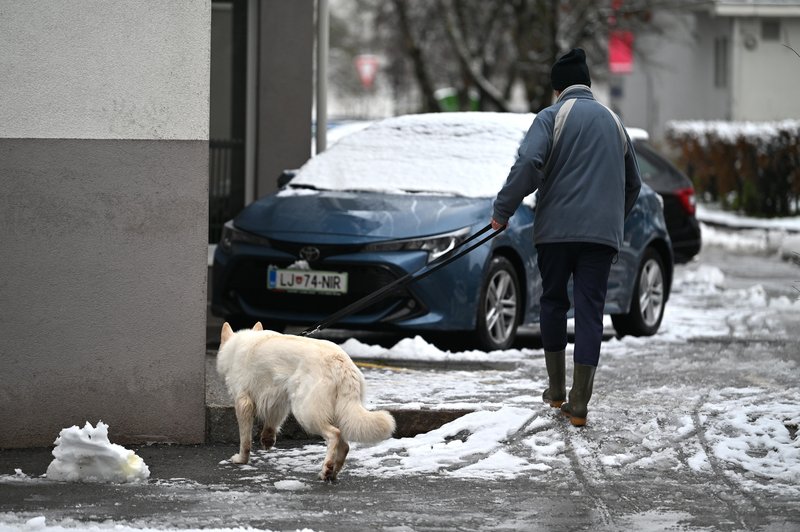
column 734, row 503
column 512, row 442
column 590, row 489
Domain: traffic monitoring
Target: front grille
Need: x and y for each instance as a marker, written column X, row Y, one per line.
column 249, row 282
column 325, row 250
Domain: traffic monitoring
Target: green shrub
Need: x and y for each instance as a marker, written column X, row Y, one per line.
column 745, row 166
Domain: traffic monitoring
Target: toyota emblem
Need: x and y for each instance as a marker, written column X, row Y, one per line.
column 309, row 253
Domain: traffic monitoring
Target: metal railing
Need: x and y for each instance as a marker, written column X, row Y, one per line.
column 225, row 185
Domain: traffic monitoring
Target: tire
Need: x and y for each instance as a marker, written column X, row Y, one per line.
column 499, row 306
column 648, row 301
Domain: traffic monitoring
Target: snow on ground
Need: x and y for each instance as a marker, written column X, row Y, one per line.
column 13, row 523
column 679, row 419
column 776, row 235
column 663, row 405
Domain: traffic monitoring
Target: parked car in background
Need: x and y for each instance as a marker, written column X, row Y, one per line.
column 389, row 199
column 676, row 190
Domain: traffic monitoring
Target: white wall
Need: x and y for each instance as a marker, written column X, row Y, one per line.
column 104, row 211
column 104, row 69
column 767, row 77
column 673, row 74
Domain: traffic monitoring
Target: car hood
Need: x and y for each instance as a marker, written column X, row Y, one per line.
column 333, row 216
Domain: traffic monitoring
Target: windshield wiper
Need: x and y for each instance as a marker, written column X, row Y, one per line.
column 304, row 186
column 431, row 192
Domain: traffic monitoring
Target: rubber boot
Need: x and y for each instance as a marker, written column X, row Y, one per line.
column 579, row 395
column 556, row 393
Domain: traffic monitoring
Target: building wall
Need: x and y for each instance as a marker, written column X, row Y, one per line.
column 672, row 77
column 104, row 210
column 767, row 74
column 285, row 89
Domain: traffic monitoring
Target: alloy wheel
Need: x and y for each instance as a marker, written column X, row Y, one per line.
column 501, row 306
column 651, row 292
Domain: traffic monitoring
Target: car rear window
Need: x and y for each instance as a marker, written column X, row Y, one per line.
column 657, row 171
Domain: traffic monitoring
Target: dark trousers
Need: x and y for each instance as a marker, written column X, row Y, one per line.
column 589, row 266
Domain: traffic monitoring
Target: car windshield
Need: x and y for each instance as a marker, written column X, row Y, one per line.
column 462, row 154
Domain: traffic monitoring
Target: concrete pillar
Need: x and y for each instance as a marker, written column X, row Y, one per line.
column 285, row 93
column 104, row 213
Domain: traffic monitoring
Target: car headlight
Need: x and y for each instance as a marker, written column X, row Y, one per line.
column 435, row 245
column 231, row 235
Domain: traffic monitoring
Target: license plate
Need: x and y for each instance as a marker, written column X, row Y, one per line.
column 308, row 281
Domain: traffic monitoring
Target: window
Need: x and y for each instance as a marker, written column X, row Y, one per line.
column 655, row 170
column 721, row 62
column 771, row 29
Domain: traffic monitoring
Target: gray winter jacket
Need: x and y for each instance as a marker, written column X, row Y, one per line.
column 579, row 156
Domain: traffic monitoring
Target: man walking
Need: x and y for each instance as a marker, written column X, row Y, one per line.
column 579, row 157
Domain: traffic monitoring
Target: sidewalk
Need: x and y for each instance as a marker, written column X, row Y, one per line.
column 692, row 429
column 657, row 454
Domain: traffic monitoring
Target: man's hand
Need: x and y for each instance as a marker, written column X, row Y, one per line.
column 497, row 226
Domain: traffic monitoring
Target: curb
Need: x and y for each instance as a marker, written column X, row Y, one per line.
column 221, row 425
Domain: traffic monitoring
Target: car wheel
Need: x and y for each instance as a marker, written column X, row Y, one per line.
column 649, row 298
column 499, row 306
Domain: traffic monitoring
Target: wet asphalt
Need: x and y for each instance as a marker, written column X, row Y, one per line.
column 190, row 488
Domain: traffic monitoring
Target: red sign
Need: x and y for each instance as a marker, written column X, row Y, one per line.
column 367, row 66
column 620, row 52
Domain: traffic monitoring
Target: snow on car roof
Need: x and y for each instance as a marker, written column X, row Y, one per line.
column 636, row 133
column 464, row 154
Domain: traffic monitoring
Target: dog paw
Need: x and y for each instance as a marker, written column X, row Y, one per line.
column 239, row 459
column 331, row 479
column 328, row 473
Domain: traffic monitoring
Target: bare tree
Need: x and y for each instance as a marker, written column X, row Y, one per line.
column 413, row 50
column 484, row 49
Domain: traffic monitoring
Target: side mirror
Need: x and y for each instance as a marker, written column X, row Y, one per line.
column 285, row 177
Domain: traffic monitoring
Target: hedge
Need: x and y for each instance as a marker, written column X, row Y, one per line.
column 745, row 166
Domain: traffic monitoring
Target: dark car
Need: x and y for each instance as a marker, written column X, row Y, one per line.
column 388, row 200
column 677, row 192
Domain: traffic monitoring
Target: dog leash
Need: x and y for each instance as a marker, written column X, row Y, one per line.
column 428, row 269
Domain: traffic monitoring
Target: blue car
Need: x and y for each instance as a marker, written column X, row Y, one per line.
column 388, row 200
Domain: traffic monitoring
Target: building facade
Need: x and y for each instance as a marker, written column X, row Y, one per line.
column 723, row 60
column 262, row 54
column 104, row 202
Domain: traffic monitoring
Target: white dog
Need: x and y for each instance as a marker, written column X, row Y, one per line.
column 271, row 374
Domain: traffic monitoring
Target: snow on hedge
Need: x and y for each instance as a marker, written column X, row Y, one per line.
column 753, row 132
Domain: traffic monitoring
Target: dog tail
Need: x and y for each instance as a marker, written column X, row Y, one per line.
column 362, row 425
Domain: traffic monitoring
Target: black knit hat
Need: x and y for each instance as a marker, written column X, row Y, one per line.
column 570, row 69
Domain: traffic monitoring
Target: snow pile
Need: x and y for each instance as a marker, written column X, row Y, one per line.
column 479, row 434
column 713, row 214
column 419, row 349
column 755, row 438
column 465, row 154
column 87, row 455
column 291, row 485
column 702, row 281
column 472, row 446
column 735, row 232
